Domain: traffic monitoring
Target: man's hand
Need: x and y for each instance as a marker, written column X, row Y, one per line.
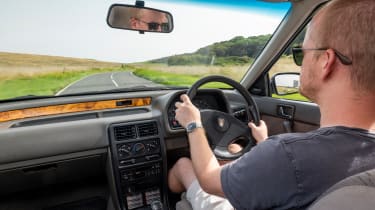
column 260, row 132
column 186, row 112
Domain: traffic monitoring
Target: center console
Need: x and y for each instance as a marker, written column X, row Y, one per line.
column 137, row 154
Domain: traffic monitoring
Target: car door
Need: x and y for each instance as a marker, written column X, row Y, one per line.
column 287, row 115
column 285, row 111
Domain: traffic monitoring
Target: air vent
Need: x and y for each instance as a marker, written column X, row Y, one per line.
column 125, row 132
column 147, row 129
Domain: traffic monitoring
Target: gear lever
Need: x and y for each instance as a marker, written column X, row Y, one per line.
column 156, row 205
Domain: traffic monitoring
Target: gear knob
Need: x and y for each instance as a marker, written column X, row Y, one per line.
column 156, row 205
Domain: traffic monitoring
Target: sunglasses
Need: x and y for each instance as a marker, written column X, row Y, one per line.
column 153, row 26
column 298, row 55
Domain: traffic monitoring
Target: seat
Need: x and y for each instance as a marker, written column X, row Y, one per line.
column 356, row 192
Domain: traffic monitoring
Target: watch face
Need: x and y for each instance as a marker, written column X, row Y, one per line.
column 193, row 125
column 190, row 126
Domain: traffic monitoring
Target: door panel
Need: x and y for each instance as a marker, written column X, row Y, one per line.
column 297, row 116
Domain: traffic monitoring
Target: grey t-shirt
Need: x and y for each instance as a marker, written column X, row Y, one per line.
column 290, row 171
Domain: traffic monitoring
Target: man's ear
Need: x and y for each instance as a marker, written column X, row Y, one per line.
column 328, row 63
column 133, row 23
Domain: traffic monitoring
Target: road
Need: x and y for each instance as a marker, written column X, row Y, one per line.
column 106, row 81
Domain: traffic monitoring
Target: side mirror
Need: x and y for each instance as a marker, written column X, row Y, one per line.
column 142, row 19
column 285, row 83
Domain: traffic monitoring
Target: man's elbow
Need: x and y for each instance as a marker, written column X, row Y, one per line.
column 207, row 187
column 211, row 184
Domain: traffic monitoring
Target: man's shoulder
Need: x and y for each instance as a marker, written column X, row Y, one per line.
column 335, row 133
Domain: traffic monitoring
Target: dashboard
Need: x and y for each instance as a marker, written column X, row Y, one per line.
column 127, row 138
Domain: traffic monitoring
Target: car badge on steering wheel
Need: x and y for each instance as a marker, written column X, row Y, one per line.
column 222, row 123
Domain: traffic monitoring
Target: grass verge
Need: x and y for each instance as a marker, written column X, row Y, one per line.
column 294, row 97
column 52, row 82
column 44, row 84
column 173, row 79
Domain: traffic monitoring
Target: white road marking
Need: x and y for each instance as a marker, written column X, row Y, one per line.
column 58, row 93
column 113, row 80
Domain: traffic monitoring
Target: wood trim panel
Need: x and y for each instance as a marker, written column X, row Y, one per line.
column 71, row 108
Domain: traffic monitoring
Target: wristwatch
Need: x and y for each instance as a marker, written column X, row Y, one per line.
column 192, row 126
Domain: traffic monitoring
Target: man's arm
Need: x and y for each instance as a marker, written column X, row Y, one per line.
column 205, row 164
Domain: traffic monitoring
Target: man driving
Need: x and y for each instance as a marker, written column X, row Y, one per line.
column 289, row 171
column 148, row 20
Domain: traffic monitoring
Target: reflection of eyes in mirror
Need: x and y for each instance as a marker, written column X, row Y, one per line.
column 152, row 26
column 140, row 19
column 150, row 20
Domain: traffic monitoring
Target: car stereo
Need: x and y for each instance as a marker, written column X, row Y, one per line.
column 137, row 155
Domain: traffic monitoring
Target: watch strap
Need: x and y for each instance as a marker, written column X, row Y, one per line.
column 192, row 126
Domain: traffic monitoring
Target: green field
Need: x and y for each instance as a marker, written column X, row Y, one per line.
column 173, row 79
column 295, row 97
column 167, row 78
column 23, row 74
column 44, row 84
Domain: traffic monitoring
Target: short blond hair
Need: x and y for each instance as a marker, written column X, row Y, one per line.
column 349, row 27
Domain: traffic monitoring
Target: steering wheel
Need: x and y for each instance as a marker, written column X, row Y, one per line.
column 222, row 128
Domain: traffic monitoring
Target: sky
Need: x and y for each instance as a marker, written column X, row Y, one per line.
column 78, row 28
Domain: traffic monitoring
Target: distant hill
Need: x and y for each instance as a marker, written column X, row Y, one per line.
column 239, row 50
column 26, row 64
column 18, row 59
column 236, row 51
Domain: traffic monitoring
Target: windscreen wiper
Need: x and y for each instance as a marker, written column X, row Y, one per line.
column 118, row 90
column 145, row 88
column 25, row 97
column 131, row 89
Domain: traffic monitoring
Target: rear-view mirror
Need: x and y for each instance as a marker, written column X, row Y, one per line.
column 286, row 83
column 143, row 19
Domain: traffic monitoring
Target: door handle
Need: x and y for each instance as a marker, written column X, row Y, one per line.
column 285, row 111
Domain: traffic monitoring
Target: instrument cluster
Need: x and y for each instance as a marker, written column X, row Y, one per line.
column 203, row 100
